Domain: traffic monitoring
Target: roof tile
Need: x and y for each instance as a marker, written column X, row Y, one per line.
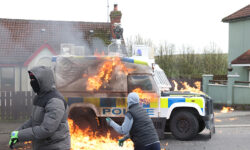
column 240, row 14
column 19, row 39
column 242, row 59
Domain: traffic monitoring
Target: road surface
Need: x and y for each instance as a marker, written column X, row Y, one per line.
column 232, row 133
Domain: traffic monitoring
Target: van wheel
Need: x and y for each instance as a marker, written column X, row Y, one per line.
column 84, row 118
column 201, row 126
column 184, row 125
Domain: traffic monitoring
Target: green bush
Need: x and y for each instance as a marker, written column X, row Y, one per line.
column 185, row 62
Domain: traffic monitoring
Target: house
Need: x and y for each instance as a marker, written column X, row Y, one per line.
column 235, row 90
column 27, row 43
column 239, row 42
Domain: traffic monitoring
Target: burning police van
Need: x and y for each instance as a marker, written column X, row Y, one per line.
column 96, row 87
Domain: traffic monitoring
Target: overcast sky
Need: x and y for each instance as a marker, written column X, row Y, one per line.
column 194, row 23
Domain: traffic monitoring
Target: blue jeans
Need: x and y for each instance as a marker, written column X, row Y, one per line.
column 154, row 146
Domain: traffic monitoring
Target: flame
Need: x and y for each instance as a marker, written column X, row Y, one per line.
column 187, row 87
column 175, row 85
column 226, row 109
column 105, row 73
column 232, row 119
column 84, row 75
column 86, row 140
column 145, row 98
column 23, row 145
column 217, row 120
column 99, row 54
column 95, row 82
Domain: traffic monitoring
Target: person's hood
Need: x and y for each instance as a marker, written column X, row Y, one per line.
column 45, row 78
column 133, row 98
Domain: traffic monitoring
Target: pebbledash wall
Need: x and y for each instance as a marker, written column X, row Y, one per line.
column 229, row 93
column 21, row 80
column 239, row 35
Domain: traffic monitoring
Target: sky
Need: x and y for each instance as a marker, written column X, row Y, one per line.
column 194, row 23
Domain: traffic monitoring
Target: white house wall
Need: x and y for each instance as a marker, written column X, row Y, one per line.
column 239, row 35
column 45, row 53
column 25, row 86
column 17, row 78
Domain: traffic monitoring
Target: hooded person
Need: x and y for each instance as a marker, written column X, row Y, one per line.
column 47, row 127
column 137, row 126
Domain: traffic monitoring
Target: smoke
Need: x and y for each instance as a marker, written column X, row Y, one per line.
column 9, row 45
column 99, row 45
column 77, row 34
column 21, row 38
column 69, row 33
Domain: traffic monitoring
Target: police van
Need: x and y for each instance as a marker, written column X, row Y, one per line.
column 96, row 87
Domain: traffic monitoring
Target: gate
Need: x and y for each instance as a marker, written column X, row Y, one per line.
column 15, row 105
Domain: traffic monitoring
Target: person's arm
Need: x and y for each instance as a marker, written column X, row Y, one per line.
column 54, row 111
column 126, row 125
column 26, row 124
column 127, row 136
column 121, row 141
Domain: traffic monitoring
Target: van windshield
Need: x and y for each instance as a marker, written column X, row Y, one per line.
column 144, row 82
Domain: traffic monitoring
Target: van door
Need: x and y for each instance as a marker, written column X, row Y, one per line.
column 144, row 85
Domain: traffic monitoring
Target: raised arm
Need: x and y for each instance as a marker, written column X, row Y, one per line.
column 126, row 125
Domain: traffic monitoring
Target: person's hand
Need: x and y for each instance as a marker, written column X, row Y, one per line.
column 120, row 142
column 108, row 120
column 13, row 138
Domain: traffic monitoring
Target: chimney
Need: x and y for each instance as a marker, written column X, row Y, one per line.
column 115, row 17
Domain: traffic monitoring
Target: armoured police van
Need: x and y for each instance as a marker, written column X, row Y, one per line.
column 97, row 87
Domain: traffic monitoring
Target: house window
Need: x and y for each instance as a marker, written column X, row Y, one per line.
column 7, row 79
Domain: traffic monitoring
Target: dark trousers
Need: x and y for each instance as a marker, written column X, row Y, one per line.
column 155, row 146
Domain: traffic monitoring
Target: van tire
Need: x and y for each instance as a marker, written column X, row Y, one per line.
column 184, row 125
column 84, row 118
column 201, row 126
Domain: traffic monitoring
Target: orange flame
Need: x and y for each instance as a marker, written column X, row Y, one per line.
column 175, row 85
column 86, row 140
column 23, row 146
column 187, row 87
column 99, row 54
column 226, row 109
column 145, row 97
column 105, row 73
column 217, row 120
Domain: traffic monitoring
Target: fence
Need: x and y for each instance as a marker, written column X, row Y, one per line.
column 15, row 105
column 227, row 92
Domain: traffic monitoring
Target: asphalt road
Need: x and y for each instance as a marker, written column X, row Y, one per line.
column 232, row 133
column 230, row 138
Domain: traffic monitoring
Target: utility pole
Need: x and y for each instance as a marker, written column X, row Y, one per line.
column 107, row 10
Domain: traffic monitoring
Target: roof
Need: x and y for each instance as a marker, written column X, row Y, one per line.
column 243, row 60
column 243, row 13
column 21, row 38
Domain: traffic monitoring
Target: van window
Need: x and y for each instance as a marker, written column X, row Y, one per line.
column 144, row 82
